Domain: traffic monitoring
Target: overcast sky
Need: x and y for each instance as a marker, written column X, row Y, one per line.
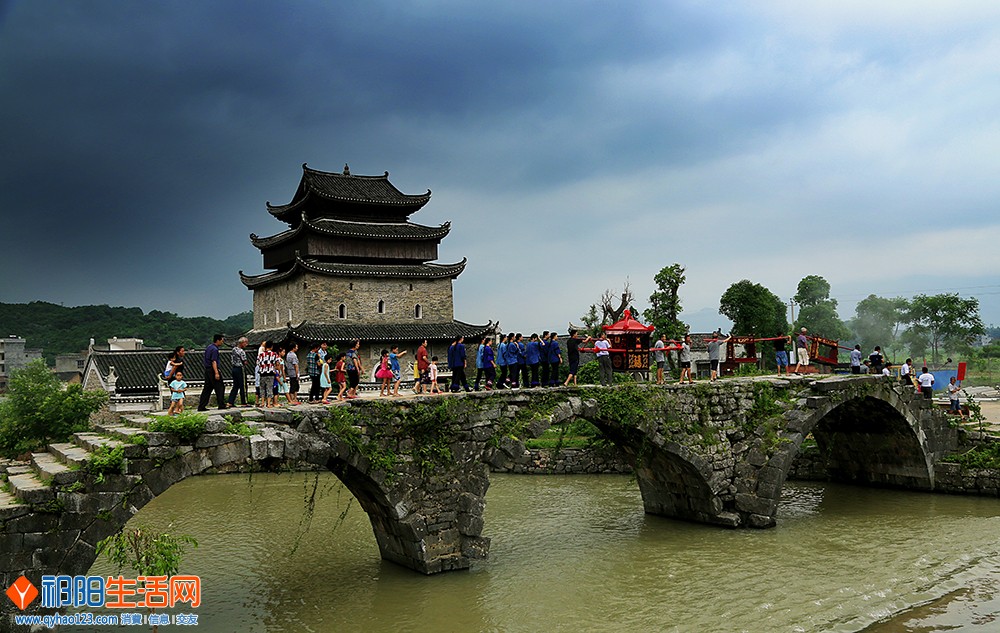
column 571, row 144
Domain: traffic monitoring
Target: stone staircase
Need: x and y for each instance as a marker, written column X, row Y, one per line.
column 37, row 483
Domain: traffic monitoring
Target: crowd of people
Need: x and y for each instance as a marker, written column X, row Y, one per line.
column 513, row 362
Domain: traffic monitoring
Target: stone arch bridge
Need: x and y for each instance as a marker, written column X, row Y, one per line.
column 714, row 453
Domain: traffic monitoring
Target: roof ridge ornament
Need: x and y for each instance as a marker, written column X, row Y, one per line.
column 347, row 170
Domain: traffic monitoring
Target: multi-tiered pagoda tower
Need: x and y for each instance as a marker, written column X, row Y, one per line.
column 352, row 266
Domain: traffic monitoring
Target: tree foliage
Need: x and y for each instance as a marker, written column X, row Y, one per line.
column 878, row 320
column 37, row 410
column 60, row 330
column 591, row 321
column 753, row 309
column 146, row 552
column 945, row 319
column 817, row 311
column 665, row 305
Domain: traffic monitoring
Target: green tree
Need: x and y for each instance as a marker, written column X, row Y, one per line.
column 146, row 552
column 915, row 342
column 945, row 319
column 665, row 305
column 878, row 320
column 817, row 311
column 591, row 321
column 37, row 410
column 753, row 309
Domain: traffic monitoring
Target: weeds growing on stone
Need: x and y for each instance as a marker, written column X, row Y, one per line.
column 187, row 425
column 106, row 461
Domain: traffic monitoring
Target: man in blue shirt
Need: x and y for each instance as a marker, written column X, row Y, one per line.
column 543, row 350
column 522, row 360
column 489, row 363
column 533, row 356
column 555, row 359
column 501, row 354
column 456, row 361
column 514, row 361
column 480, row 367
column 213, row 376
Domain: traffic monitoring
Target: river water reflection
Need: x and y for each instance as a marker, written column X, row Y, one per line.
column 577, row 553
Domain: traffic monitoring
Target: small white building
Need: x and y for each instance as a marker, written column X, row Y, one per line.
column 14, row 356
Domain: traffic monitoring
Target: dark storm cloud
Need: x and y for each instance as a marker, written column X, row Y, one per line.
column 142, row 138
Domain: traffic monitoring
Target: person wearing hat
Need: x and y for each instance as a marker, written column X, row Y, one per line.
column 801, row 350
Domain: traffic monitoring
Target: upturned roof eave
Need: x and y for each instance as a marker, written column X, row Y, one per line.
column 429, row 232
column 383, row 271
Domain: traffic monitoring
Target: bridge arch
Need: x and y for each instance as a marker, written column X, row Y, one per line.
column 872, row 439
column 673, row 479
column 709, row 454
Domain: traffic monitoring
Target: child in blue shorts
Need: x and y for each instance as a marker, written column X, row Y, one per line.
column 397, row 374
column 177, row 387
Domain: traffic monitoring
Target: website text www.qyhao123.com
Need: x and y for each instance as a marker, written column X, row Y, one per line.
column 50, row 621
column 53, row 620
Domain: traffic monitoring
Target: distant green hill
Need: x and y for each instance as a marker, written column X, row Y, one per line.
column 60, row 330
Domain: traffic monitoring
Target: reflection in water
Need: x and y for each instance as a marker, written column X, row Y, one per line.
column 579, row 554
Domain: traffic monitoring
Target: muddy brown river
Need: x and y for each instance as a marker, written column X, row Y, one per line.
column 577, row 553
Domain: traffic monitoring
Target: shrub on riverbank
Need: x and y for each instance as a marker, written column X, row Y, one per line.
column 986, row 455
column 37, row 410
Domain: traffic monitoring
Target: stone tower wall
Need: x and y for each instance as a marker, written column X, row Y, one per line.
column 317, row 298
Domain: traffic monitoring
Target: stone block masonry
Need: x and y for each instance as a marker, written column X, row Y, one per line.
column 308, row 296
column 713, row 453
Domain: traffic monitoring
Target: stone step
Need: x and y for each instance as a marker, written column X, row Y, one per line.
column 70, row 454
column 10, row 507
column 92, row 441
column 137, row 421
column 29, row 489
column 51, row 471
column 118, row 430
column 20, row 469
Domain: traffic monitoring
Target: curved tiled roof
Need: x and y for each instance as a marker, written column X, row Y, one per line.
column 361, row 230
column 138, row 371
column 376, row 190
column 399, row 271
column 387, row 332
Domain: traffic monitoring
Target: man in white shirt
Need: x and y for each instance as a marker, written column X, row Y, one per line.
column 953, row 389
column 905, row 371
column 604, row 359
column 660, row 357
column 684, row 357
column 926, row 380
column 856, row 360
